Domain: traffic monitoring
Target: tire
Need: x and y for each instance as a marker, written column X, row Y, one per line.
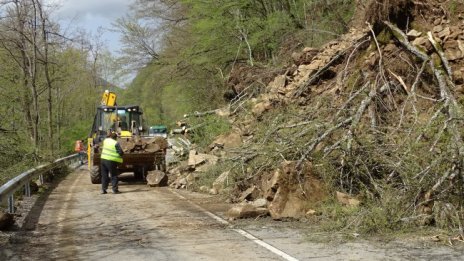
column 139, row 174
column 95, row 175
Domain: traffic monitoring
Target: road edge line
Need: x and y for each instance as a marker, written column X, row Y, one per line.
column 239, row 231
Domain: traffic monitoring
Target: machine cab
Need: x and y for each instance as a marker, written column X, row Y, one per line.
column 125, row 120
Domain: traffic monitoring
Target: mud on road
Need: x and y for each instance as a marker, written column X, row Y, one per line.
column 75, row 222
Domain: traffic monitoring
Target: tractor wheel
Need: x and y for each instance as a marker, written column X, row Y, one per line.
column 139, row 174
column 95, row 175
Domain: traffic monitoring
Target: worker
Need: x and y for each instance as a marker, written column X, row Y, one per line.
column 120, row 124
column 110, row 157
column 123, row 123
column 79, row 148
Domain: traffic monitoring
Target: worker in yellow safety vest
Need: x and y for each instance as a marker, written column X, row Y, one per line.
column 110, row 157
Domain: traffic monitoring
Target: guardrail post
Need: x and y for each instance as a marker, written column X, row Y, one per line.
column 11, row 204
column 27, row 189
column 41, row 179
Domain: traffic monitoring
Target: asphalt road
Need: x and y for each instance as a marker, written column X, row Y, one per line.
column 76, row 222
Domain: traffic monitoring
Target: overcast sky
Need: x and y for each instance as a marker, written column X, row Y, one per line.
column 92, row 14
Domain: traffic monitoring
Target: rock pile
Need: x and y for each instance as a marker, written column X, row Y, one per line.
column 138, row 144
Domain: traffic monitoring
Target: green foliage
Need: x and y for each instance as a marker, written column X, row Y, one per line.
column 79, row 131
column 15, row 156
column 453, row 6
column 206, row 129
column 196, row 56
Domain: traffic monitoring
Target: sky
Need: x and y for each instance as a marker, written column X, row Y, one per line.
column 90, row 15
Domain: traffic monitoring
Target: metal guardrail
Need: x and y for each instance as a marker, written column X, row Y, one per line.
column 24, row 179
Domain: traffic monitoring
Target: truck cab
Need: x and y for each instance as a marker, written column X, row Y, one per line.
column 158, row 131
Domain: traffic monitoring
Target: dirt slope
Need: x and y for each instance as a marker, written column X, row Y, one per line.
column 376, row 114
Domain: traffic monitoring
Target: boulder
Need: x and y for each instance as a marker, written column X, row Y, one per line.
column 261, row 108
column 219, row 183
column 278, row 83
column 290, row 193
column 194, row 159
column 413, row 34
column 191, row 177
column 208, row 162
column 245, row 210
column 444, row 34
column 458, row 77
column 310, row 213
column 223, row 112
column 347, row 200
column 180, row 182
column 157, row 178
column 250, row 194
column 259, row 203
column 227, row 141
column 453, row 54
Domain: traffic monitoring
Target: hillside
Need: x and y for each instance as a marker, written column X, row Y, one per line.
column 364, row 131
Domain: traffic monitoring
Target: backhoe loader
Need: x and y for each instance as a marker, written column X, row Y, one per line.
column 141, row 152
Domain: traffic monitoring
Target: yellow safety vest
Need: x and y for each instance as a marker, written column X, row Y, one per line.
column 109, row 151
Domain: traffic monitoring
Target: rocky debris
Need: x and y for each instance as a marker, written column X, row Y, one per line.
column 347, row 200
column 413, row 34
column 201, row 162
column 245, row 210
column 284, row 193
column 243, row 76
column 261, row 107
column 227, row 141
column 180, row 182
column 6, row 220
column 180, row 146
column 221, row 181
column 137, row 144
column 250, row 194
column 188, row 172
column 316, row 80
column 310, row 213
column 306, row 73
column 194, row 159
column 192, row 177
column 259, row 203
column 450, row 37
column 304, row 57
column 157, row 178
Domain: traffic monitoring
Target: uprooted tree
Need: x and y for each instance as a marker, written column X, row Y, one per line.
column 377, row 114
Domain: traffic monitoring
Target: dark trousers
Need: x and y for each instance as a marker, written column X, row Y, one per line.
column 108, row 166
column 81, row 157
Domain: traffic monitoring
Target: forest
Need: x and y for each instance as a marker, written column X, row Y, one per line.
column 181, row 50
column 352, row 110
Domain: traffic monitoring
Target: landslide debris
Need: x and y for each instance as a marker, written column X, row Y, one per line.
column 371, row 121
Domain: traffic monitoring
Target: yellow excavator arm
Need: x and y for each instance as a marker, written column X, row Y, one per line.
column 109, row 98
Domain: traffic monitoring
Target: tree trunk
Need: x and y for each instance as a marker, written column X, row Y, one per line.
column 48, row 80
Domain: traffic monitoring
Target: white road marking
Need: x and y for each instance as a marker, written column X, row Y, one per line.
column 240, row 231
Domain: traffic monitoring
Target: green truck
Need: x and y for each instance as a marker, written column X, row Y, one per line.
column 158, row 131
